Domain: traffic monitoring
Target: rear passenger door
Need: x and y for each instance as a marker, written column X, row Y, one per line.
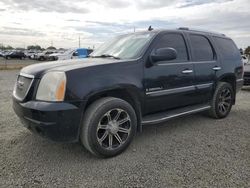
column 206, row 65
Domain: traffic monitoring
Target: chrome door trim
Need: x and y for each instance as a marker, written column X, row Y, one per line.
column 178, row 90
column 170, row 91
column 204, row 86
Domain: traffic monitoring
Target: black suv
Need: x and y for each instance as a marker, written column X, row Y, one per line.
column 133, row 80
column 15, row 55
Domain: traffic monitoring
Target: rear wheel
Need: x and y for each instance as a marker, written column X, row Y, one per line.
column 109, row 126
column 41, row 58
column 222, row 101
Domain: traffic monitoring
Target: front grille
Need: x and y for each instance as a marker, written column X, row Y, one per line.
column 22, row 86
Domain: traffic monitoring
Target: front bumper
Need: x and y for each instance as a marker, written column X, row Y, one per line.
column 56, row 121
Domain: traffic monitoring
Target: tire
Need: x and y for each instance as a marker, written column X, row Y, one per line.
column 222, row 101
column 41, row 59
column 97, row 128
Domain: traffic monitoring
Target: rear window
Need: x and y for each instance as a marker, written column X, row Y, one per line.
column 202, row 49
column 227, row 48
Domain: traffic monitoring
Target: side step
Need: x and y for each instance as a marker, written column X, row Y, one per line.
column 164, row 116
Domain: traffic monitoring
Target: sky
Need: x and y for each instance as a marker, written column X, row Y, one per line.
column 62, row 22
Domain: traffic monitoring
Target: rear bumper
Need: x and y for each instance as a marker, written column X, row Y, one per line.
column 247, row 79
column 55, row 121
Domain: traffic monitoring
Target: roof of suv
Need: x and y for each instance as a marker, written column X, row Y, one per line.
column 185, row 29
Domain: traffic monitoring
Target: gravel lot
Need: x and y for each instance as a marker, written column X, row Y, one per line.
column 15, row 63
column 193, row 151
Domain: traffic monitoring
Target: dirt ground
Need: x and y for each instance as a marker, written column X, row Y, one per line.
column 193, row 151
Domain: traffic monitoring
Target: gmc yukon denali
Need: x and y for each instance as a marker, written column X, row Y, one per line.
column 131, row 81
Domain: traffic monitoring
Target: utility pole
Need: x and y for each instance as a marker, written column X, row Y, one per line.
column 134, row 29
column 79, row 41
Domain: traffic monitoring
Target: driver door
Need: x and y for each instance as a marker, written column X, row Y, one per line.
column 169, row 84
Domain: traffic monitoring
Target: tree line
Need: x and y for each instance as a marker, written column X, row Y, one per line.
column 31, row 47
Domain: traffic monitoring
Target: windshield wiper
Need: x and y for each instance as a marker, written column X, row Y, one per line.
column 105, row 56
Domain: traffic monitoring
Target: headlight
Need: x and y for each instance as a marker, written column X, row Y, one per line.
column 52, row 87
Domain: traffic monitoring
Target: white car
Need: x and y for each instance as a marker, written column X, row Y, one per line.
column 245, row 59
column 73, row 53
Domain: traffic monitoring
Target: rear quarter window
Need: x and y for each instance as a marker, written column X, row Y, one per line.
column 227, row 48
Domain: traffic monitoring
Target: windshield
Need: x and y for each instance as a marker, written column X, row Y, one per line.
column 124, row 47
column 69, row 51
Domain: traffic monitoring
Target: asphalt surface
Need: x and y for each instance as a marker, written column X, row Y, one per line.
column 192, row 151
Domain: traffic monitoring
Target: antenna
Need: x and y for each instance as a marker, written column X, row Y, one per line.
column 79, row 41
column 150, row 28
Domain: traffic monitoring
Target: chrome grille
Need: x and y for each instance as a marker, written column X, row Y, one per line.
column 22, row 86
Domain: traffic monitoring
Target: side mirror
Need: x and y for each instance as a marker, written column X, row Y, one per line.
column 163, row 54
column 75, row 54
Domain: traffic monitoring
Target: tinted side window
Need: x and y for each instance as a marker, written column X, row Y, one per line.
column 202, row 49
column 175, row 41
column 227, row 48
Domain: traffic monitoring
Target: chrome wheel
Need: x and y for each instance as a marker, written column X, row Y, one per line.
column 113, row 129
column 225, row 101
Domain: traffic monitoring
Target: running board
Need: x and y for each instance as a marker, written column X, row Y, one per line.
column 164, row 116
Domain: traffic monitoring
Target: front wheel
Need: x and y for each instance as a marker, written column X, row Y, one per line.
column 222, row 101
column 109, row 126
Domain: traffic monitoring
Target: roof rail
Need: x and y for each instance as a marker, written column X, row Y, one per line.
column 183, row 28
column 204, row 31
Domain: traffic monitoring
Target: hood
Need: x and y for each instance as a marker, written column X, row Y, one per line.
column 57, row 54
column 39, row 69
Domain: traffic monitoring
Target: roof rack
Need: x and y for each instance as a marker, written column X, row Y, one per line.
column 204, row 31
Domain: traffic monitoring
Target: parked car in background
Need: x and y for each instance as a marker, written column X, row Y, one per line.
column 30, row 54
column 133, row 80
column 1, row 54
column 14, row 55
column 247, row 75
column 245, row 59
column 71, row 54
column 43, row 56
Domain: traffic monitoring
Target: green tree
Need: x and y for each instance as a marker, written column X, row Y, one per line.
column 247, row 50
column 20, row 48
column 51, row 48
column 8, row 47
column 34, row 47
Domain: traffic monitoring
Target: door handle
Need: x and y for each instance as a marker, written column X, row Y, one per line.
column 217, row 68
column 188, row 71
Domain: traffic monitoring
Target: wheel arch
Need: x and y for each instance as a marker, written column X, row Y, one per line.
column 132, row 96
column 231, row 79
